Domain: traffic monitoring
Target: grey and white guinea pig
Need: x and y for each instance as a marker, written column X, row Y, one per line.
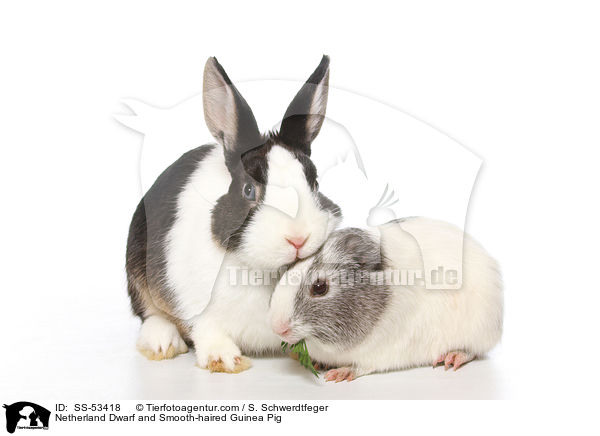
column 249, row 201
column 359, row 314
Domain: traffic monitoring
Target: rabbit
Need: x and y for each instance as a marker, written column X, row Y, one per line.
column 248, row 202
column 358, row 316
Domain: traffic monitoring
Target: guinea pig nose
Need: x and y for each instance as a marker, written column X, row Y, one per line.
column 282, row 328
column 297, row 241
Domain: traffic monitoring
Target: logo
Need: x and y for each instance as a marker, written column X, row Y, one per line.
column 26, row 415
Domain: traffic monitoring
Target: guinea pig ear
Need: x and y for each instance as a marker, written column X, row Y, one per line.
column 360, row 249
column 227, row 114
column 305, row 114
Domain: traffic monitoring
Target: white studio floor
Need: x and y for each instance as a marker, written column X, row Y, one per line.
column 87, row 352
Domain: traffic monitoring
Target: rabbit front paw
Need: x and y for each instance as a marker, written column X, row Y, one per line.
column 159, row 339
column 222, row 356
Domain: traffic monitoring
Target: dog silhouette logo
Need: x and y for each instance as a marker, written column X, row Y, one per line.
column 26, row 415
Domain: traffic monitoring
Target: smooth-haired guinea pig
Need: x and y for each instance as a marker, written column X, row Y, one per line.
column 389, row 299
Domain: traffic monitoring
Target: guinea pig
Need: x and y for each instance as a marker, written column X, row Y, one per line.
column 366, row 302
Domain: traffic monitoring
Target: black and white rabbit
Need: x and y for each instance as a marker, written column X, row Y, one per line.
column 249, row 202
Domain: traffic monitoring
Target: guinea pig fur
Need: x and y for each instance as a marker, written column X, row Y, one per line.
column 372, row 301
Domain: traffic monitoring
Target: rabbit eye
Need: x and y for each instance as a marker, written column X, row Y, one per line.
column 249, row 192
column 319, row 288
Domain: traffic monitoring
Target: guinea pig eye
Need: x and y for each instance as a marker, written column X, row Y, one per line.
column 319, row 288
column 249, row 192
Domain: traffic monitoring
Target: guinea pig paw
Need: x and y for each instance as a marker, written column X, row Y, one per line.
column 340, row 374
column 454, row 358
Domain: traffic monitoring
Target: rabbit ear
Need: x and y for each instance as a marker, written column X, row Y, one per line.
column 305, row 114
column 228, row 116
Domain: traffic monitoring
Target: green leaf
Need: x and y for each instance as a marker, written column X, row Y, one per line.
column 284, row 346
column 301, row 350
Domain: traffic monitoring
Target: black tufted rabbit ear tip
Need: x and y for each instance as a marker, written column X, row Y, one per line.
column 213, row 67
column 211, row 62
column 320, row 72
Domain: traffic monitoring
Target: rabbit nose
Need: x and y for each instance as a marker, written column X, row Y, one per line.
column 282, row 328
column 297, row 241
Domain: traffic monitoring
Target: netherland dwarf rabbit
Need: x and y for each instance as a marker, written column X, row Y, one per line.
column 363, row 303
column 250, row 201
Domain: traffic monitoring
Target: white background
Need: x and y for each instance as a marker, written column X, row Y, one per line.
column 515, row 82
